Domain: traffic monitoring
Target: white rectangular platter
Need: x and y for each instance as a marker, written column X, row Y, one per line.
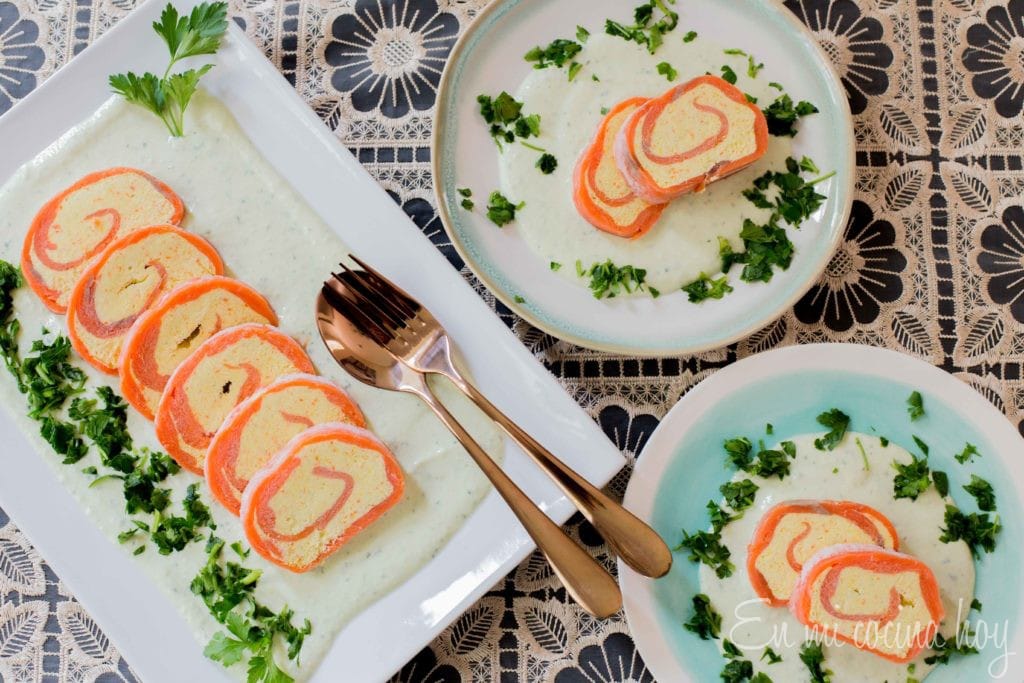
column 140, row 621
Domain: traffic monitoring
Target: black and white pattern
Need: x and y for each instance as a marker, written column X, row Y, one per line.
column 932, row 263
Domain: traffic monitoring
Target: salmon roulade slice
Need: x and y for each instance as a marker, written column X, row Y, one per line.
column 126, row 280
column 165, row 335
column 262, row 424
column 222, row 372
column 325, row 486
column 876, row 599
column 600, row 192
column 81, row 221
column 793, row 531
column 692, row 135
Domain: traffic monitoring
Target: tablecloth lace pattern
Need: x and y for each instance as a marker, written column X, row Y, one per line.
column 932, row 264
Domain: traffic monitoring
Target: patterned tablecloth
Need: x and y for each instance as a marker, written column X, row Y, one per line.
column 932, row 264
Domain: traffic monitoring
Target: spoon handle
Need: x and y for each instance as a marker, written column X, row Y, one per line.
column 584, row 579
column 631, row 539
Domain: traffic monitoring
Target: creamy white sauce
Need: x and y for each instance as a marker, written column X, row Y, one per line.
column 750, row 624
column 684, row 241
column 270, row 238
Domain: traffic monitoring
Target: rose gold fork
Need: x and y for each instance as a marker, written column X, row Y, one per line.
column 420, row 342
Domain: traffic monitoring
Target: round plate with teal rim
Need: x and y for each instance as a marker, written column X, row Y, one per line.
column 489, row 58
column 682, row 466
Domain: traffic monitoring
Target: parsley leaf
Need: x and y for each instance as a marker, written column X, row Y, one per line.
column 753, row 67
column 982, row 492
column 773, row 463
column 737, row 671
column 500, row 210
column 704, row 288
column 944, row 649
column 915, row 405
column 582, row 34
column 814, row 659
column 974, row 529
column 705, row 622
column 505, row 117
column 782, row 115
column 171, row 534
column 666, row 70
column 739, row 494
column 547, row 163
column 967, row 454
column 728, row 75
column 609, row 280
column 645, row 30
column 719, row 517
column 941, row 481
column 837, row 423
column 557, row 53
column 690, row 36
column 738, row 452
column 911, row 479
column 707, row 547
column 168, row 96
column 555, row 265
column 772, row 656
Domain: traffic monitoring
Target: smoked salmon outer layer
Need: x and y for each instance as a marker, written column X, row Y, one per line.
column 81, row 221
column 324, row 487
column 126, row 280
column 792, row 531
column 881, row 601
column 694, row 134
column 262, row 424
column 601, row 194
column 165, row 335
column 223, row 371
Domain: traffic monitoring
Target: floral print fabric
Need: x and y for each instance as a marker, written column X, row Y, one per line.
column 932, row 264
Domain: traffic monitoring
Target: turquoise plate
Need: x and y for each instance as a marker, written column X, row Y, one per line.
column 681, row 468
column 489, row 58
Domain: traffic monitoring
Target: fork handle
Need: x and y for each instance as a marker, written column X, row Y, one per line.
column 630, row 538
column 584, row 579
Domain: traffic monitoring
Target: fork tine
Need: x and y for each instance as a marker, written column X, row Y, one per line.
column 341, row 302
column 373, row 297
column 409, row 305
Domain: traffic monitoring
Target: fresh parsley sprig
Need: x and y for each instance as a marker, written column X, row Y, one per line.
column 168, row 96
column 609, row 280
column 646, row 30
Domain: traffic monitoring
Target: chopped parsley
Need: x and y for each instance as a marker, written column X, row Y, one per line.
column 920, row 444
column 974, row 529
column 728, row 75
column 863, row 454
column 582, row 34
column 466, row 202
column 912, row 479
column 171, row 534
column 646, row 30
column 807, row 164
column 738, row 452
column 705, row 622
column 837, row 422
column 706, row 547
column 884, row 441
column 547, row 163
column 666, row 70
column 704, row 288
column 739, row 494
column 735, row 51
column 519, row 299
column 609, row 280
column 945, row 649
column 782, row 115
column 558, row 53
column 766, row 246
column 753, row 67
column 982, row 492
column 967, row 454
column 814, row 659
column 505, row 117
column 555, row 265
column 719, row 517
column 252, row 628
column 198, row 33
column 915, row 405
column 772, row 656
column 773, row 463
column 500, row 210
column 941, row 481
column 574, row 69
column 690, row 36
column 737, row 671
column 795, row 198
